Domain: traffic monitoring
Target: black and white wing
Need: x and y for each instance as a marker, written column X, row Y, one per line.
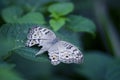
column 69, row 53
column 66, row 53
column 42, row 36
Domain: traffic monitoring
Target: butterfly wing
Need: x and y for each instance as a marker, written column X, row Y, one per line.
column 34, row 33
column 31, row 42
column 41, row 33
column 41, row 36
column 66, row 52
column 54, row 54
column 69, row 53
column 54, row 57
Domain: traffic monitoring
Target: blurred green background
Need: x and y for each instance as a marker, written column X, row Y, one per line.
column 91, row 25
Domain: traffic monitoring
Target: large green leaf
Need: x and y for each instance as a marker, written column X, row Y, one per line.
column 11, row 14
column 80, row 24
column 6, row 73
column 32, row 17
column 61, row 9
column 56, row 24
column 95, row 65
column 13, row 36
column 113, row 71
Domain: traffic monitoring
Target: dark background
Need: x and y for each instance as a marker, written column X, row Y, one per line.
column 101, row 52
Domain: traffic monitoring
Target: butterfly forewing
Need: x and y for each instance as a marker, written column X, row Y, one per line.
column 44, row 36
column 40, row 33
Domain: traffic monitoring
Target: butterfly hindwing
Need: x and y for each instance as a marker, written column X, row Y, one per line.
column 66, row 52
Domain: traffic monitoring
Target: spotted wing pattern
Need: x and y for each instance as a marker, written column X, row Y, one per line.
column 41, row 33
column 42, row 36
column 66, row 53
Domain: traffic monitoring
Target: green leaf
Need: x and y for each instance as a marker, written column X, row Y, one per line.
column 80, row 24
column 61, row 9
column 95, row 65
column 32, row 17
column 56, row 24
column 11, row 14
column 6, row 65
column 32, row 70
column 29, row 53
column 113, row 71
column 8, row 74
column 13, row 36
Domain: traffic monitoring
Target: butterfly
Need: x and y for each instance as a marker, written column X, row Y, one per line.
column 58, row 50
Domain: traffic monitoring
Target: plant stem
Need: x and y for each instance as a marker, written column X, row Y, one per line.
column 107, row 29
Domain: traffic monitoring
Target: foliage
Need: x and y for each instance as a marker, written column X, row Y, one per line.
column 95, row 64
column 6, row 72
column 15, row 16
column 75, row 22
column 18, row 62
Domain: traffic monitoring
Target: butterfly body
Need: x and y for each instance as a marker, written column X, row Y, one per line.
column 58, row 51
